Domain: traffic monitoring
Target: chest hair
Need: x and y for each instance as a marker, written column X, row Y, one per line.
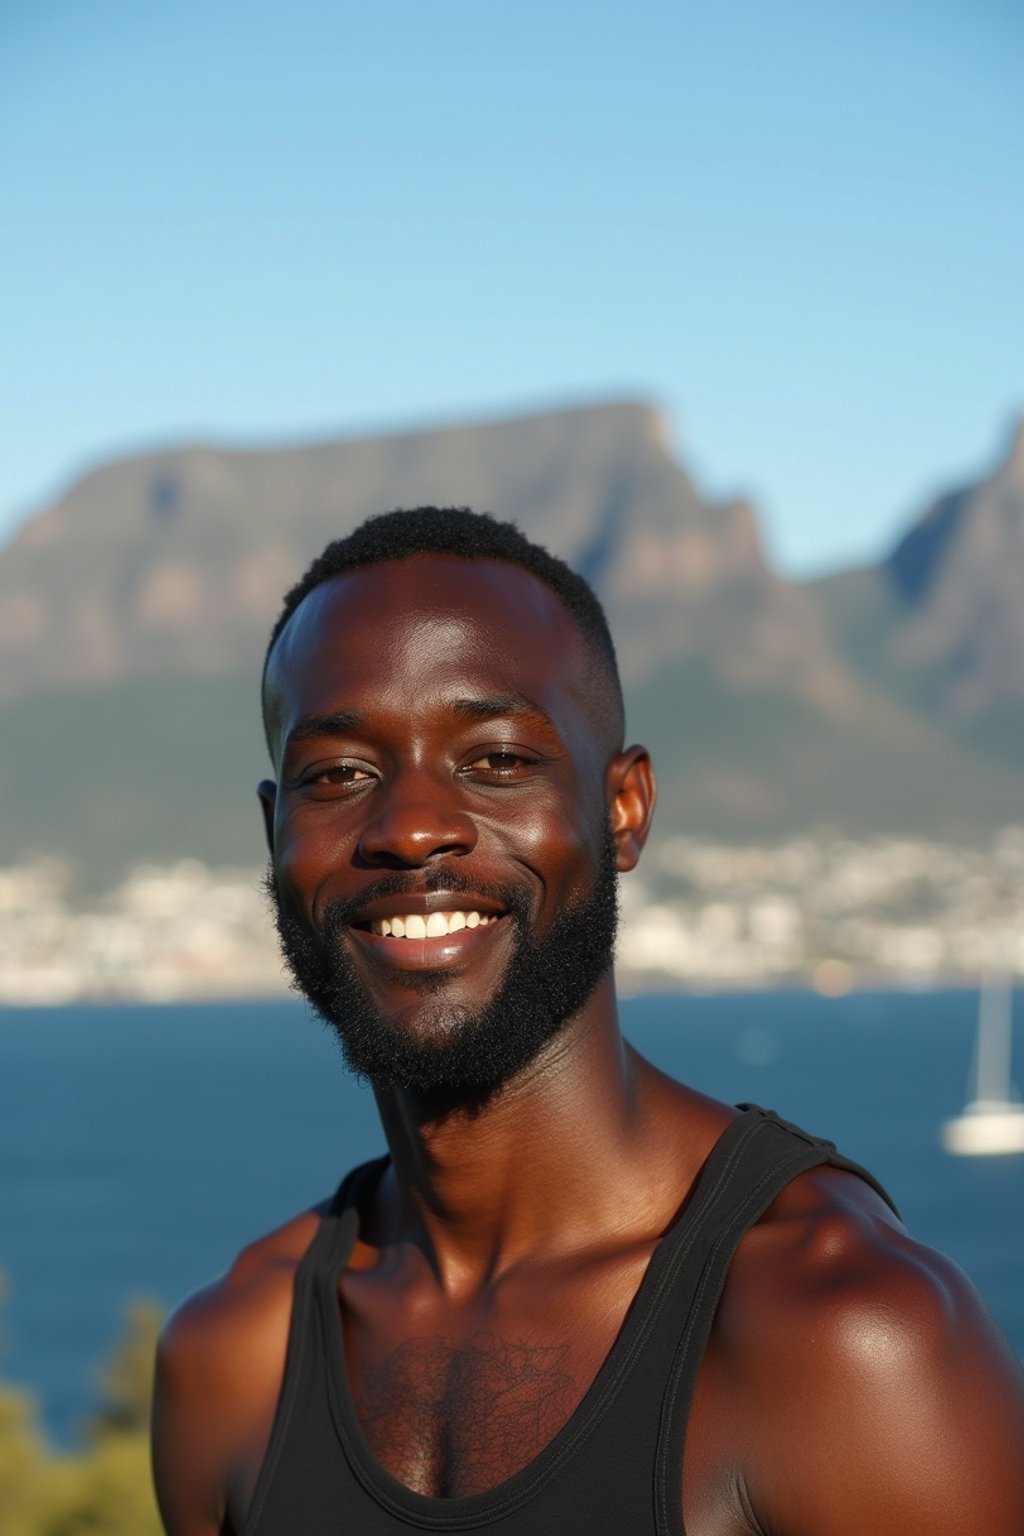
column 452, row 1419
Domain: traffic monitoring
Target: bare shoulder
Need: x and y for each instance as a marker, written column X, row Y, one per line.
column 253, row 1293
column 220, row 1364
column 878, row 1392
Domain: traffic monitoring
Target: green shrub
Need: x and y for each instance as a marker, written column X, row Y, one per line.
column 106, row 1489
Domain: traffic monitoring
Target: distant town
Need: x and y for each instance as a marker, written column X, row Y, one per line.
column 814, row 910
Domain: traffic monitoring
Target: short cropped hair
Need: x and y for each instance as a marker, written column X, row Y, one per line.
column 466, row 535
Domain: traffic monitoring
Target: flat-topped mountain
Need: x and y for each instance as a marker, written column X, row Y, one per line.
column 177, row 561
column 135, row 610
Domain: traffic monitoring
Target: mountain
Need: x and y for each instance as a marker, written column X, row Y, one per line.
column 134, row 613
column 939, row 624
column 177, row 562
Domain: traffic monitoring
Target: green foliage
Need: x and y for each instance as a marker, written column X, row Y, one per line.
column 105, row 1490
column 108, row 1492
column 769, row 762
column 126, row 1380
column 162, row 767
column 26, row 1490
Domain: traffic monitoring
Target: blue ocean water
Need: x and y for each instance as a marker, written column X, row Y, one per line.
column 141, row 1147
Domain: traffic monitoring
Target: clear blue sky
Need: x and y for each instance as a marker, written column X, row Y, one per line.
column 798, row 226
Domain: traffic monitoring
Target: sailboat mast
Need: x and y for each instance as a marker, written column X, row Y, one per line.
column 994, row 1040
column 992, row 1122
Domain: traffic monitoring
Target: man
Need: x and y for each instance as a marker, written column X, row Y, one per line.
column 577, row 1295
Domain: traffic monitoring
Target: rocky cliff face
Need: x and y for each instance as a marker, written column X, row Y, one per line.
column 938, row 627
column 134, row 613
column 177, row 561
column 959, row 578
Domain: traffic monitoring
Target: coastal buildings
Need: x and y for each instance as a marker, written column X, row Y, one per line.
column 823, row 910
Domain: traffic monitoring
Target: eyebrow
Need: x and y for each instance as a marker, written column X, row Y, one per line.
column 515, row 705
column 342, row 721
column 312, row 727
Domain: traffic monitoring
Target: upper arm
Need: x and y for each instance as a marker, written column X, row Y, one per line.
column 900, row 1410
column 189, row 1458
column 220, row 1366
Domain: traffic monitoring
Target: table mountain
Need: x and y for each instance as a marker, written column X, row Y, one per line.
column 134, row 612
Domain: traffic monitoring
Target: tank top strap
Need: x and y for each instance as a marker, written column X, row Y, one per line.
column 326, row 1253
column 357, row 1185
column 831, row 1156
column 749, row 1167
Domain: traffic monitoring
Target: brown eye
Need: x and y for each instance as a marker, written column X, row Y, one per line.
column 337, row 776
column 501, row 765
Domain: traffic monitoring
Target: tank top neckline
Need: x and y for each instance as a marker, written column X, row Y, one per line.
column 653, row 1292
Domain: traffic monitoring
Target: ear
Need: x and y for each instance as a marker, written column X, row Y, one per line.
column 267, row 792
column 631, row 796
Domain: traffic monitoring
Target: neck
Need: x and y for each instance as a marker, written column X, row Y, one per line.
column 554, row 1156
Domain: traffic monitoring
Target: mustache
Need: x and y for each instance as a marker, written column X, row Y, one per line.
column 342, row 910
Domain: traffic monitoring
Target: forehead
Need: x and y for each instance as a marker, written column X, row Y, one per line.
column 430, row 623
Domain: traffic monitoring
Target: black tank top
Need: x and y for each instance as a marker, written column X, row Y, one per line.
column 615, row 1468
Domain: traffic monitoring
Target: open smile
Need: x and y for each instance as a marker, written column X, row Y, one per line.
column 447, row 938
column 431, row 925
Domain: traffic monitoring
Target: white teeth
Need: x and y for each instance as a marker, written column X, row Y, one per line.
column 415, row 926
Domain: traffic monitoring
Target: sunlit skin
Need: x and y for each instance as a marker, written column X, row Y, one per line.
column 434, row 715
column 461, row 762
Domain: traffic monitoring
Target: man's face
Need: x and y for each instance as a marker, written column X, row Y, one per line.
column 443, row 870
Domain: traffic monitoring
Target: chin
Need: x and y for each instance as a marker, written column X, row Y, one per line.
column 439, row 1045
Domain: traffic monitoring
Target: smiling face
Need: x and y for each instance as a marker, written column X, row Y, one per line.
column 450, row 813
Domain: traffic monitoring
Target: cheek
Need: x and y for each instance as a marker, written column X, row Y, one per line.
column 308, row 850
column 561, row 845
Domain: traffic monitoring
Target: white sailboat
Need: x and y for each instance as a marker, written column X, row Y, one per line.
column 992, row 1122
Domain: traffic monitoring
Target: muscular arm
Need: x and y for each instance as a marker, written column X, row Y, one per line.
column 913, row 1421
column 220, row 1366
column 189, row 1455
column 879, row 1395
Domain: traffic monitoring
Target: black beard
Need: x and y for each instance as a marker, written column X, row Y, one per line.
column 454, row 1051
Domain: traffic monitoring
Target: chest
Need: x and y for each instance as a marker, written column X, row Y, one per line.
column 454, row 1402
column 452, row 1418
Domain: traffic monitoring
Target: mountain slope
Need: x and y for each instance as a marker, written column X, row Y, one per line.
column 177, row 561
column 940, row 624
column 134, row 612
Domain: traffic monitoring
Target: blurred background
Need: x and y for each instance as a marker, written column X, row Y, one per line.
column 721, row 303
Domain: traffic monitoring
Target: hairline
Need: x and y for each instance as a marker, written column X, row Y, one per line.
column 601, row 668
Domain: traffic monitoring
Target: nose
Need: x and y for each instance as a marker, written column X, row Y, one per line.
column 414, row 820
